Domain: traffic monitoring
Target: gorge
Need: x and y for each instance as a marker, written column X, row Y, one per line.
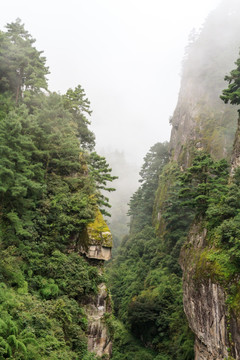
column 172, row 289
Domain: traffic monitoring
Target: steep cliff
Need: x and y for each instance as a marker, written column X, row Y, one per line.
column 99, row 239
column 201, row 121
column 217, row 330
column 99, row 340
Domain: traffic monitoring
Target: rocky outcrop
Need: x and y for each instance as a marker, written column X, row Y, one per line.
column 99, row 245
column 201, row 121
column 99, row 240
column 98, row 252
column 235, row 160
column 217, row 333
column 207, row 315
column 99, row 341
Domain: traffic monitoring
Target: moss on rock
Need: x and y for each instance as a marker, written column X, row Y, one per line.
column 98, row 232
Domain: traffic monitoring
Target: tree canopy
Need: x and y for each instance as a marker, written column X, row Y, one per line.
column 23, row 68
column 50, row 189
column 232, row 93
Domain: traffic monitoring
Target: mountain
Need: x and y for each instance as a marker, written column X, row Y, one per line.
column 191, row 216
column 53, row 238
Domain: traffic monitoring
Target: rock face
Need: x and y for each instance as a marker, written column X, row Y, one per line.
column 99, row 340
column 217, row 333
column 98, row 252
column 99, row 238
column 201, row 121
column 235, row 160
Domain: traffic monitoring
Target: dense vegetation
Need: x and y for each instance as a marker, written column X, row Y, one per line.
column 220, row 260
column 50, row 188
column 145, row 277
column 51, row 185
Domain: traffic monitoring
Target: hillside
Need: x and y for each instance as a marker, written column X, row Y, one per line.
column 190, row 215
column 50, row 224
column 172, row 290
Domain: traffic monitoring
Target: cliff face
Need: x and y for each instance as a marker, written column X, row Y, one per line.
column 235, row 159
column 99, row 340
column 204, row 302
column 216, row 328
column 200, row 121
column 206, row 292
column 99, row 239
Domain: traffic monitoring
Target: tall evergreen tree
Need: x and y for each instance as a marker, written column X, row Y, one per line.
column 232, row 93
column 76, row 102
column 22, row 67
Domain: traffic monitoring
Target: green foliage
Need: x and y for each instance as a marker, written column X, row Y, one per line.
column 126, row 346
column 145, row 278
column 62, row 274
column 22, row 70
column 203, row 183
column 49, row 190
column 232, row 93
column 76, row 102
column 100, row 172
column 148, row 297
column 177, row 220
column 32, row 326
column 142, row 201
column 205, row 188
column 223, row 224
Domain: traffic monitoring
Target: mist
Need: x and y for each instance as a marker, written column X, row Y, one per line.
column 210, row 56
column 126, row 55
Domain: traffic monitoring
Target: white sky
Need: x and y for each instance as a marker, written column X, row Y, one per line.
column 125, row 53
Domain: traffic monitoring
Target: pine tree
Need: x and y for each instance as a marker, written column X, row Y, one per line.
column 232, row 93
column 76, row 102
column 22, row 67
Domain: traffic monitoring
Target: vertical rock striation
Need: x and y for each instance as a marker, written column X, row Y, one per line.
column 99, row 241
column 99, row 340
column 217, row 331
column 235, row 160
column 201, row 121
column 204, row 302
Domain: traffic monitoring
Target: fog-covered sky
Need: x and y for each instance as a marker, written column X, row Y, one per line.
column 125, row 53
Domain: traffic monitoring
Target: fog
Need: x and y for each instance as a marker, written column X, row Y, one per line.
column 125, row 53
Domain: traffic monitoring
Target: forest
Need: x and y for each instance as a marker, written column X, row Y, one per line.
column 182, row 246
column 50, row 186
column 183, row 239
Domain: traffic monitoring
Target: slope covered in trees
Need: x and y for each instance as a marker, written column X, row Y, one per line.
column 144, row 278
column 51, row 184
column 192, row 203
column 50, row 190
